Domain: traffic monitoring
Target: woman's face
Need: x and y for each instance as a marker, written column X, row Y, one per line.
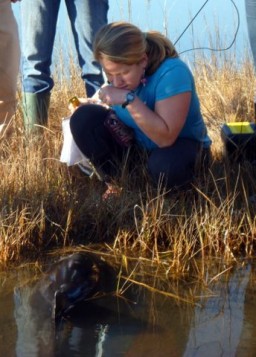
column 124, row 76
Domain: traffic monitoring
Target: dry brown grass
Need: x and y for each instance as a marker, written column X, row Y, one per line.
column 45, row 205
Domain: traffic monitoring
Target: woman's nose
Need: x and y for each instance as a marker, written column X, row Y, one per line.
column 117, row 81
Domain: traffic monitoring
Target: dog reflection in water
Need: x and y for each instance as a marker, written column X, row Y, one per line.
column 79, row 277
column 66, row 297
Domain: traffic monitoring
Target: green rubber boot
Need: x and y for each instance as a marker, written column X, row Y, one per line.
column 35, row 111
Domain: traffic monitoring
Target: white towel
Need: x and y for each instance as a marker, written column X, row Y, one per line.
column 70, row 154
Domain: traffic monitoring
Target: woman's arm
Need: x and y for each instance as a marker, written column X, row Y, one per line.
column 164, row 124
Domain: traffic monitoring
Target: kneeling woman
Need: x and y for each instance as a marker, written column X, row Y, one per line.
column 152, row 91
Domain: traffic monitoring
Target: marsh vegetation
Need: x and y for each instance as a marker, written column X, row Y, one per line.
column 46, row 205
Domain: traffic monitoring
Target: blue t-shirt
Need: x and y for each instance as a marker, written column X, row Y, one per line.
column 171, row 78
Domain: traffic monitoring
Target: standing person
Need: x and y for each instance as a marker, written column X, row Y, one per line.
column 9, row 63
column 153, row 92
column 250, row 7
column 38, row 29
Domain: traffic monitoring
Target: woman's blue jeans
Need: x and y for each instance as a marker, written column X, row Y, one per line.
column 250, row 6
column 38, row 29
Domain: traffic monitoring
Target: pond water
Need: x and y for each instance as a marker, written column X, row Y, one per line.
column 217, row 25
column 221, row 323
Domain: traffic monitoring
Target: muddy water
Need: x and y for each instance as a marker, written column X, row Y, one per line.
column 223, row 323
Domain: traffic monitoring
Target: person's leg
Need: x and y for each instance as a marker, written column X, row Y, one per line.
column 86, row 17
column 94, row 140
column 9, row 63
column 250, row 7
column 38, row 28
column 174, row 166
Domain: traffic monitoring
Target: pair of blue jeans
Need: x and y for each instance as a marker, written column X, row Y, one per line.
column 38, row 29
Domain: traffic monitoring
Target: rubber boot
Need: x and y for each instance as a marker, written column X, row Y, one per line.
column 35, row 111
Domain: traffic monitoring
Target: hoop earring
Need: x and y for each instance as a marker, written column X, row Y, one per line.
column 143, row 80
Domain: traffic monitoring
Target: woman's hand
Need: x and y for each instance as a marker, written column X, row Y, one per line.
column 111, row 95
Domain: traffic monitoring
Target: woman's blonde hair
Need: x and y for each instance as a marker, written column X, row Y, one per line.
column 122, row 42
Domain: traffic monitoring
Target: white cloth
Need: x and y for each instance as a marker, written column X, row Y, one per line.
column 70, row 154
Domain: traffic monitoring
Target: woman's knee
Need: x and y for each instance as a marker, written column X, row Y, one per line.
column 87, row 117
column 87, row 128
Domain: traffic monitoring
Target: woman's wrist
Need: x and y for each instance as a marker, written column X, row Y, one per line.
column 129, row 98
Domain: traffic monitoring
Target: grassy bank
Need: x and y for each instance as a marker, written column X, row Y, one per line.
column 46, row 205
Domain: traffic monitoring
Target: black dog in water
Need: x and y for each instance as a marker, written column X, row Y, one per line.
column 88, row 314
column 73, row 279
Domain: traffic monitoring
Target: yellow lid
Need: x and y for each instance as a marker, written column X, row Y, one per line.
column 241, row 127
